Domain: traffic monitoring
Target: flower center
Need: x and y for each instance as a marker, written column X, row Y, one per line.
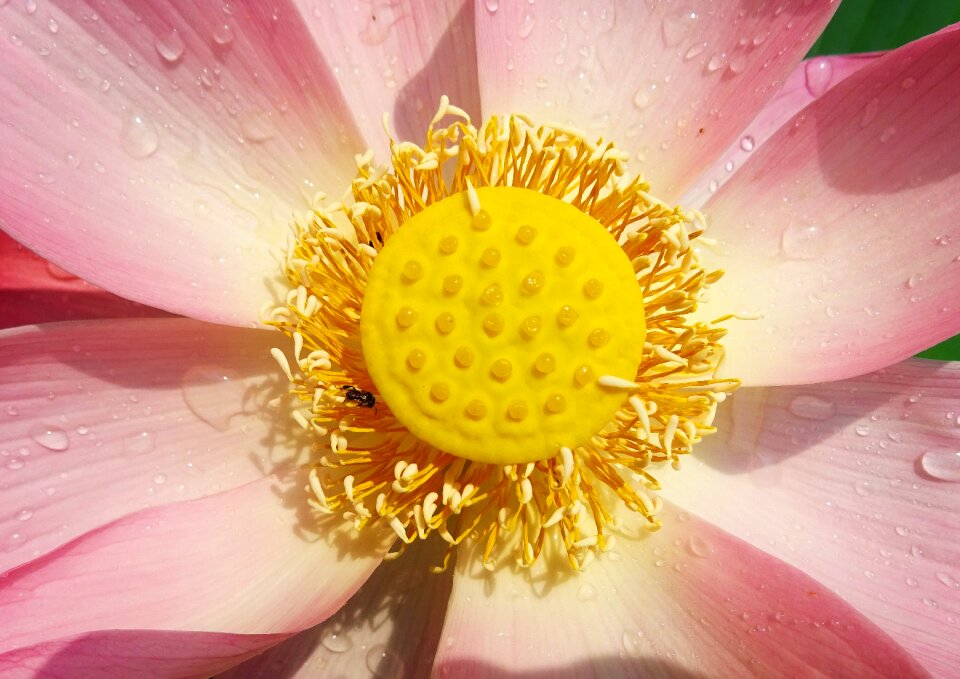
column 508, row 364
column 485, row 327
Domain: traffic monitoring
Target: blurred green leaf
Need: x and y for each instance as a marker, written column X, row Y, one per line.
column 873, row 25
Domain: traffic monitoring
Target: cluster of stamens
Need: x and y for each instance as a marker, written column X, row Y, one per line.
column 372, row 467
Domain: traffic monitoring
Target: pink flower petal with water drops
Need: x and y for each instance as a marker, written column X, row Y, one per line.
column 242, row 562
column 856, row 484
column 839, row 234
column 159, row 149
column 399, row 58
column 809, row 80
column 100, row 419
column 117, row 654
column 390, row 628
column 33, row 290
column 688, row 599
column 671, row 85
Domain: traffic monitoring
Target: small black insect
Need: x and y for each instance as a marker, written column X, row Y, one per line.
column 364, row 399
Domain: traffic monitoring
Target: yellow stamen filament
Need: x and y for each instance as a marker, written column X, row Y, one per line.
column 373, row 470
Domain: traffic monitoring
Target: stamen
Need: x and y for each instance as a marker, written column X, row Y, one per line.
column 385, row 474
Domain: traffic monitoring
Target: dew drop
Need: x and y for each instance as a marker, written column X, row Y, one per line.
column 947, row 580
column 383, row 662
column 717, row 61
column 812, row 408
column 257, row 126
column 338, row 643
column 24, row 515
column 51, row 438
column 15, row 463
column 139, row 137
column 699, row 547
column 818, row 74
column 943, row 465
column 587, row 593
column 53, row 26
column 223, row 35
column 676, row 25
column 870, row 112
column 492, row 5
column 139, row 443
column 526, row 26
column 632, row 641
column 171, row 47
column 694, row 51
column 747, row 143
column 862, row 430
column 802, row 242
column 160, row 479
column 213, row 394
column 907, row 83
column 12, row 411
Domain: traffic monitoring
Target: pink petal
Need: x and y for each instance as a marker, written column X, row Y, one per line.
column 689, row 599
column 809, row 80
column 243, row 562
column 35, row 291
column 841, row 230
column 647, row 76
column 390, row 628
column 398, row 58
column 101, row 419
column 158, row 149
column 855, row 483
column 141, row 653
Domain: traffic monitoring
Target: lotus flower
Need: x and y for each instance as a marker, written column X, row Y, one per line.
column 155, row 521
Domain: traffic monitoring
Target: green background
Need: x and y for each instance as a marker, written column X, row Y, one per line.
column 873, row 25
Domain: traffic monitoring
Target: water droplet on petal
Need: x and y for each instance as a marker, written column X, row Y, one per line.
column 676, row 25
column 213, row 394
column 492, row 5
column 812, row 408
column 139, row 443
column 747, row 143
column 139, row 137
column 257, row 126
column 24, row 515
column 383, row 662
column 526, row 25
column 699, row 547
column 587, row 593
column 803, row 242
column 818, row 74
column 870, row 112
column 942, row 464
column 338, row 643
column 51, row 438
column 171, row 47
column 223, row 35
